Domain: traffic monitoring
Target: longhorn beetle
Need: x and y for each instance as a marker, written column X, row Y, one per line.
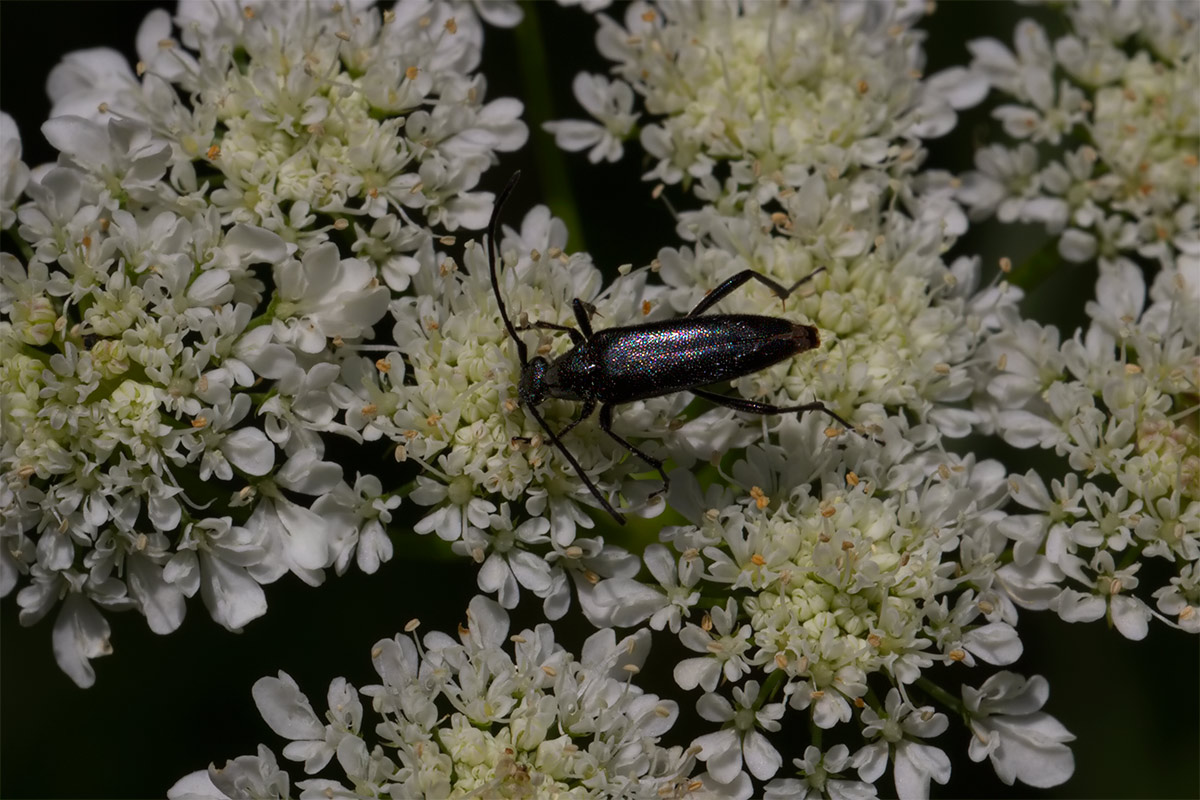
column 634, row 362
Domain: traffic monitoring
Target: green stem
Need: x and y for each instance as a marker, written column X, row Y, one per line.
column 1038, row 267
column 769, row 688
column 551, row 164
column 942, row 696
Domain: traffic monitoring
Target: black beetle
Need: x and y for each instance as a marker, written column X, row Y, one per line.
column 634, row 362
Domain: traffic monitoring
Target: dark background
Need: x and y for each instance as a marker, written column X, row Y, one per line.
column 164, row 706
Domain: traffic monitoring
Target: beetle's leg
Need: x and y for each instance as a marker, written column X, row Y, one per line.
column 750, row 406
column 577, row 338
column 589, row 406
column 606, row 426
column 583, row 315
column 562, row 448
column 734, row 281
column 586, row 411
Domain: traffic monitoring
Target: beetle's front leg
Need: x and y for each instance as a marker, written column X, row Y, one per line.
column 583, row 316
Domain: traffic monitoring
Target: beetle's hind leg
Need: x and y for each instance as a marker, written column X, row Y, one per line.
column 606, row 426
column 734, row 281
column 753, row 407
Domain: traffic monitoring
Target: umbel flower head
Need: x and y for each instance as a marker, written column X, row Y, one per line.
column 1115, row 96
column 223, row 225
column 853, row 569
column 482, row 714
column 770, row 89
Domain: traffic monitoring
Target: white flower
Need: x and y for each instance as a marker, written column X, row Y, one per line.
column 897, row 730
column 322, row 297
column 214, row 556
column 505, row 556
column 725, row 645
column 724, row 751
column 1022, row 742
column 611, row 102
column 819, row 777
column 362, row 512
column 14, row 175
column 1125, row 189
column 257, row 776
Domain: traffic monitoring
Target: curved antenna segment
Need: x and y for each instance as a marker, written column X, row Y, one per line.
column 512, row 182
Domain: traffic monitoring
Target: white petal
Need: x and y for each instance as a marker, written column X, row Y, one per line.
column 996, row 643
column 1131, row 617
column 872, row 760
column 374, row 547
column 762, row 759
column 714, row 708
column 530, row 570
column 693, row 672
column 249, row 450
column 231, row 596
column 629, row 602
column 286, row 709
column 161, row 602
column 80, row 633
column 1023, row 429
column 489, row 621
column 574, row 135
column 1075, row 606
column 82, row 139
column 1076, row 245
column 915, row 765
column 724, row 763
column 1032, row 751
column 961, row 87
column 195, row 786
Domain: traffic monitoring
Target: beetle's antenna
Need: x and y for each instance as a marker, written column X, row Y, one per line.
column 562, row 448
column 522, row 351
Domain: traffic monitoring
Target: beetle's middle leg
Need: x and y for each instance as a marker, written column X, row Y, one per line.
column 583, row 316
column 753, row 407
column 586, row 411
column 577, row 338
column 606, row 426
column 734, row 281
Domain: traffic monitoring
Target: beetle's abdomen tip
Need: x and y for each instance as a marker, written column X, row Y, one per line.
column 806, row 337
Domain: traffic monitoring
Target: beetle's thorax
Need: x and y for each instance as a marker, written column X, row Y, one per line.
column 533, row 389
column 572, row 375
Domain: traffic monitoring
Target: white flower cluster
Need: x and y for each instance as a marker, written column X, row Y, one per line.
column 1119, row 400
column 221, row 229
column 773, row 89
column 1116, row 96
column 834, row 569
column 465, row 717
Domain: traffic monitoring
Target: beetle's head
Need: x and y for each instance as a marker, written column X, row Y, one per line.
column 533, row 389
